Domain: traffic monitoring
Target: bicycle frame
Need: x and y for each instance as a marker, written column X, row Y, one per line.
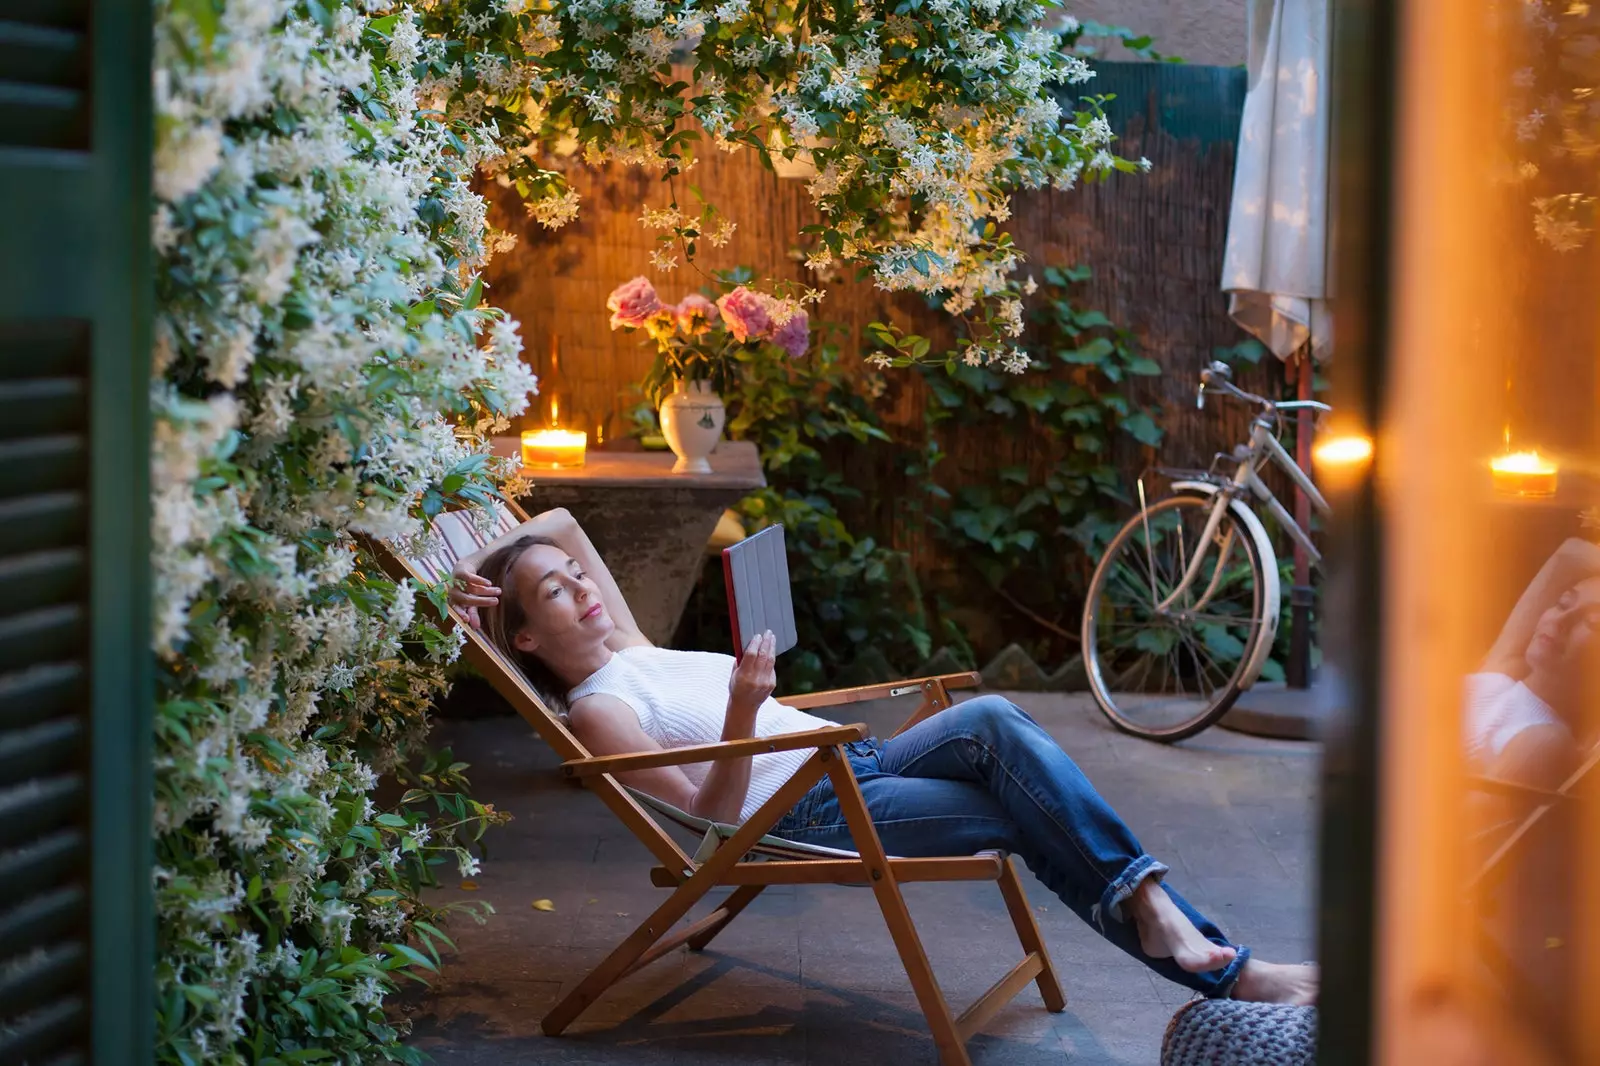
column 1263, row 447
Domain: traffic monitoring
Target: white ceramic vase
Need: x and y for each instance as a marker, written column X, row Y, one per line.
column 691, row 420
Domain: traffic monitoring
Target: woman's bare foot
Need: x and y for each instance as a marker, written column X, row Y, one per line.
column 1277, row 982
column 1165, row 932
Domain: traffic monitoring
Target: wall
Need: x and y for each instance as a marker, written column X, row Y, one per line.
column 1211, row 32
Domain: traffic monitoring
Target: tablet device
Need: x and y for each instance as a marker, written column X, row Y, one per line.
column 757, row 574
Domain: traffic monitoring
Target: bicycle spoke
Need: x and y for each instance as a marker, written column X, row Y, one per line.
column 1202, row 661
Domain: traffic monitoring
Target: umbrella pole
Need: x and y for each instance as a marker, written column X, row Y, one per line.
column 1298, row 669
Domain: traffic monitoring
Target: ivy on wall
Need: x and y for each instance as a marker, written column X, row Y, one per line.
column 1026, row 536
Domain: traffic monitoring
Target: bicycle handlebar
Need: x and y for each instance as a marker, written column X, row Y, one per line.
column 1219, row 376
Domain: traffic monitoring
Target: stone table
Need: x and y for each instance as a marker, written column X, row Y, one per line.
column 650, row 525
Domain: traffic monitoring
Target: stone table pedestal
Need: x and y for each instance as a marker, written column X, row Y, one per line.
column 650, row 525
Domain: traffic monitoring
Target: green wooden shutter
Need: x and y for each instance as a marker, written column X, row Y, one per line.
column 75, row 916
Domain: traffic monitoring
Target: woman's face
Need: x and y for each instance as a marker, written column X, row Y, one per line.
column 1564, row 637
column 561, row 606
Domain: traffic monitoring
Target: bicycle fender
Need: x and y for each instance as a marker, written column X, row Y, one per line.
column 1270, row 595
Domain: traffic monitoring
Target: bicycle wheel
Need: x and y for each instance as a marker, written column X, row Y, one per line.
column 1167, row 673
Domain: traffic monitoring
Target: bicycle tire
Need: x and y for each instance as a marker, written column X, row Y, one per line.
column 1103, row 669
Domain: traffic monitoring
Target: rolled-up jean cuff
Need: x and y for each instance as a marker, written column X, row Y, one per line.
column 1228, row 976
column 1125, row 885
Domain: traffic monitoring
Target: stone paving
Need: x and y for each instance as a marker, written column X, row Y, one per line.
column 808, row 974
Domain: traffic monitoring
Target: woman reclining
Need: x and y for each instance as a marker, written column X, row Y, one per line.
column 976, row 776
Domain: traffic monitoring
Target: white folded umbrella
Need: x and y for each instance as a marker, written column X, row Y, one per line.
column 1276, row 268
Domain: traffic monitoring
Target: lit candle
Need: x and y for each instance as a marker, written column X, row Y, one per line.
column 552, row 448
column 1524, row 474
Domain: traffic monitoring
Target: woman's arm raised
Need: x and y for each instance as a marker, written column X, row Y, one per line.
column 1571, row 563
column 559, row 526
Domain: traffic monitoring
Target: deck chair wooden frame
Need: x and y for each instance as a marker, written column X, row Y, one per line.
column 738, row 860
column 1543, row 803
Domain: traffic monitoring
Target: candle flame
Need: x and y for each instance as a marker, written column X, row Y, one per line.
column 1523, row 463
column 559, row 438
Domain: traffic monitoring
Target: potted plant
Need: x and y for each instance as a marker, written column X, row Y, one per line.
column 698, row 343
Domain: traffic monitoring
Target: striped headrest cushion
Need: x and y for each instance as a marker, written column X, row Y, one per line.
column 456, row 535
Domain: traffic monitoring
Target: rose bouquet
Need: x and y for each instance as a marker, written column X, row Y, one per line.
column 698, row 339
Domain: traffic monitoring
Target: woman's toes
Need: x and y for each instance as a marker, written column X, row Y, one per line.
column 1204, row 957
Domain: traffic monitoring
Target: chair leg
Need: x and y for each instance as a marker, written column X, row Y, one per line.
column 1028, row 932
column 952, row 1049
column 622, row 959
column 736, row 902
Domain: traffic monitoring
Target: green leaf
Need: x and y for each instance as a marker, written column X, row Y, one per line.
column 320, row 12
column 1225, row 645
column 1142, row 428
column 1090, row 354
column 1156, row 641
column 412, row 955
column 420, row 313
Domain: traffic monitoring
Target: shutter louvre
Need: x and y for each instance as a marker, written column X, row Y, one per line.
column 76, row 921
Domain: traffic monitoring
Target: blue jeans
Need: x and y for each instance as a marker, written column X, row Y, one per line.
column 981, row 775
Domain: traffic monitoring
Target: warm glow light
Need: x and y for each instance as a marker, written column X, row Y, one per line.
column 1349, row 450
column 1523, row 463
column 1524, row 474
column 552, row 448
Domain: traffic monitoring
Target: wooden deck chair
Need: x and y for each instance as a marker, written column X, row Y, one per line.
column 1542, row 804
column 1500, row 968
column 747, row 857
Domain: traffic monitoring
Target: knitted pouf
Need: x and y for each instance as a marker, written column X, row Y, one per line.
column 1225, row 1032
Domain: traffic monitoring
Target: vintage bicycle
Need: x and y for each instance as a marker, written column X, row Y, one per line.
column 1183, row 608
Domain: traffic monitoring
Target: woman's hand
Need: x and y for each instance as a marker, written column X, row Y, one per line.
column 754, row 678
column 469, row 591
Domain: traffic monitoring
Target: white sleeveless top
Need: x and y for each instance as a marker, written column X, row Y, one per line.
column 1499, row 707
column 681, row 698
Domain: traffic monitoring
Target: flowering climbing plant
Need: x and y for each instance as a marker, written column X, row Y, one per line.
column 1550, row 116
column 325, row 369
column 916, row 119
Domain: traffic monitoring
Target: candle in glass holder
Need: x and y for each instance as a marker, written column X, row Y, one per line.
column 552, row 449
column 1524, row 474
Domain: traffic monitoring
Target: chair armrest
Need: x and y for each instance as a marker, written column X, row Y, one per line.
column 839, row 696
column 727, row 749
column 1514, row 789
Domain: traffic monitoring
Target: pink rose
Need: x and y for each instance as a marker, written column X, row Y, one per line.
column 793, row 334
column 746, row 314
column 696, row 314
column 632, row 302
